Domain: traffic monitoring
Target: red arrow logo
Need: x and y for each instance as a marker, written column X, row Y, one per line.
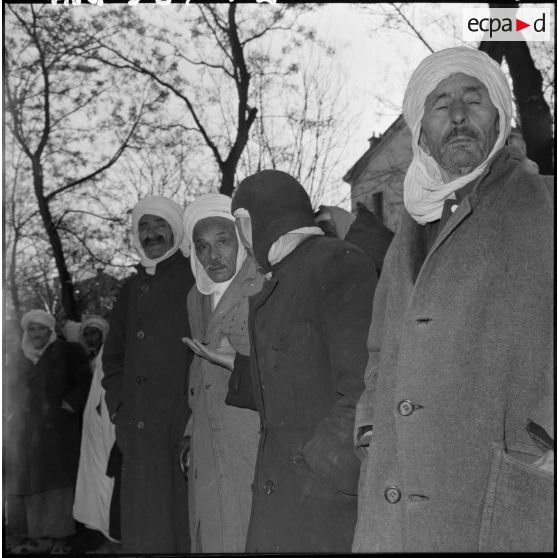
column 519, row 25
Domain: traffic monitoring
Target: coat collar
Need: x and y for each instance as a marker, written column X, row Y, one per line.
column 488, row 180
column 51, row 353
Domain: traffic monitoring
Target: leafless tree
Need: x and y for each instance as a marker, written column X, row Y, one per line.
column 50, row 91
column 209, row 70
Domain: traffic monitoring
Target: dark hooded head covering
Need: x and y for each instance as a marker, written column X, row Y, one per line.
column 277, row 204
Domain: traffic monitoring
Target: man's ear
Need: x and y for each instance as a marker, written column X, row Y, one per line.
column 423, row 144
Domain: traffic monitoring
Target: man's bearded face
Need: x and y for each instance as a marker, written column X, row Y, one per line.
column 38, row 334
column 155, row 236
column 93, row 338
column 459, row 126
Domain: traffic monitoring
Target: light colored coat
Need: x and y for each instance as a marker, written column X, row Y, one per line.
column 224, row 439
column 469, row 346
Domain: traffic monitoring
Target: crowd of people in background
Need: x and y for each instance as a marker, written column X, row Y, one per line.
column 275, row 379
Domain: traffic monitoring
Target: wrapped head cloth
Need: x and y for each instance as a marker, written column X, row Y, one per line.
column 171, row 212
column 424, row 191
column 208, row 205
column 36, row 317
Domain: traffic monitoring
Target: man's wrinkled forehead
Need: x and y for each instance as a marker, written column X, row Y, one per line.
column 213, row 224
column 442, row 91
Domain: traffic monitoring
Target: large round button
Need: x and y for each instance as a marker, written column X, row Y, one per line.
column 392, row 494
column 405, row 408
column 140, row 379
column 140, row 334
column 144, row 288
column 141, row 424
column 269, row 487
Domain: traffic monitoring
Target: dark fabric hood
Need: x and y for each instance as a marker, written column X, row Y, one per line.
column 277, row 204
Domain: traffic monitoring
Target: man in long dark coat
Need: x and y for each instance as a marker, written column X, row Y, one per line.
column 308, row 328
column 458, row 406
column 50, row 390
column 145, row 365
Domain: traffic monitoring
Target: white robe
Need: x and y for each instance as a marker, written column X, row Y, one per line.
column 93, row 486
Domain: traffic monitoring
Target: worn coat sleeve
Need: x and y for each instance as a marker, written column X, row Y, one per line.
column 114, row 351
column 241, row 391
column 364, row 409
column 346, row 289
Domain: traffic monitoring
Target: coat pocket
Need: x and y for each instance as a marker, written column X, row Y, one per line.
column 518, row 509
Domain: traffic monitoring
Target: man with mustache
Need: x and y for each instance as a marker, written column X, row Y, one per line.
column 456, row 421
column 145, row 368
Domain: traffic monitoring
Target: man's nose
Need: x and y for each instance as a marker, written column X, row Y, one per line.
column 214, row 254
column 458, row 113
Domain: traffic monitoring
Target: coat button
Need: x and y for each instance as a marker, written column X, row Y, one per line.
column 140, row 334
column 405, row 408
column 144, row 288
column 140, row 379
column 392, row 494
column 297, row 459
column 269, row 487
column 192, row 391
column 140, row 424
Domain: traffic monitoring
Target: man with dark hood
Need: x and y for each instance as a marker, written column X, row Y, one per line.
column 145, row 368
column 458, row 409
column 308, row 329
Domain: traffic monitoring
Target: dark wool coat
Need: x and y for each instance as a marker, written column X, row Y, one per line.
column 369, row 233
column 460, row 379
column 47, row 438
column 145, row 365
column 308, row 330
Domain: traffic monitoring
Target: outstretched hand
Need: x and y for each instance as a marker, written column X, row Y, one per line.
column 222, row 356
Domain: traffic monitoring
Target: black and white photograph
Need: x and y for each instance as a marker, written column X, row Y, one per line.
column 278, row 278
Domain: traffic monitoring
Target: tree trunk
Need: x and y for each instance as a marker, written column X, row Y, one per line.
column 532, row 109
column 227, row 180
column 12, row 278
column 66, row 286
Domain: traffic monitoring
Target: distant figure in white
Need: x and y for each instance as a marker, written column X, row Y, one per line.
column 94, row 487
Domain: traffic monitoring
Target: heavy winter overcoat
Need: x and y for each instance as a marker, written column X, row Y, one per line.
column 308, row 328
column 460, row 379
column 47, row 437
column 145, row 367
column 224, row 439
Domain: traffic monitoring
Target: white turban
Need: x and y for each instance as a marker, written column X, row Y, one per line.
column 424, row 191
column 94, row 321
column 36, row 317
column 208, row 205
column 171, row 212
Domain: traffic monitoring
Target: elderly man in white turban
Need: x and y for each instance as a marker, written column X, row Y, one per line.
column 93, row 486
column 456, row 421
column 53, row 379
column 145, row 368
column 223, row 432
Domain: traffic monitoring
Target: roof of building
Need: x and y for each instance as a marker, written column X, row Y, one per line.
column 375, row 148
